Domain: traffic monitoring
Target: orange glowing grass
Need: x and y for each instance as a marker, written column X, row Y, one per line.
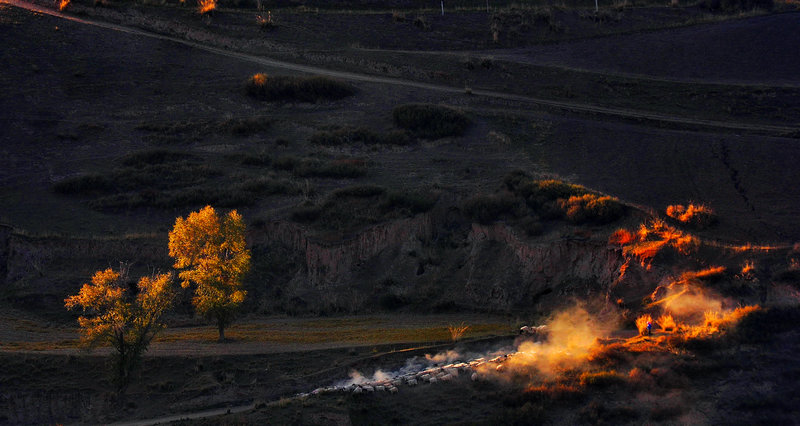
column 641, row 323
column 62, row 4
column 206, row 6
column 667, row 323
column 651, row 238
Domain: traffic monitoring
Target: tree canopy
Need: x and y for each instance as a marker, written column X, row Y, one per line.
column 211, row 253
column 113, row 316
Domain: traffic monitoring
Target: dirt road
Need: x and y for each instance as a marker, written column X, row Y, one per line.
column 568, row 106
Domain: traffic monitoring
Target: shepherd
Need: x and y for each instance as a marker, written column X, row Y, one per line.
column 649, row 328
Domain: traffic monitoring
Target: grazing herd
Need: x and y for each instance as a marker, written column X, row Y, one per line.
column 417, row 374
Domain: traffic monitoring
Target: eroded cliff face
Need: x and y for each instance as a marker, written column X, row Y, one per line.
column 507, row 271
column 330, row 263
column 484, row 267
column 427, row 261
column 41, row 270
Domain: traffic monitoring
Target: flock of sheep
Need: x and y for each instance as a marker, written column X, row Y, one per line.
column 426, row 373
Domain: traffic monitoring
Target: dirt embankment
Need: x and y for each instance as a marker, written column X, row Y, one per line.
column 328, row 262
column 37, row 272
column 433, row 261
column 417, row 259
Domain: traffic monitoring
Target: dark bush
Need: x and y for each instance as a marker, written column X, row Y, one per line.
column 349, row 135
column 314, row 167
column 591, row 208
column 538, row 192
column 306, row 213
column 292, row 88
column 256, row 160
column 157, row 156
column 486, row 209
column 531, row 226
column 87, row 184
column 738, row 5
column 360, row 191
column 342, row 168
column 413, row 201
column 431, row 121
column 515, row 179
column 391, row 302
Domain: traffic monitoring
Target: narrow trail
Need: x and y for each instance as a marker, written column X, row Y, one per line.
column 351, row 76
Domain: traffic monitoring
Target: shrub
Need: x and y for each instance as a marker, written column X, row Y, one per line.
column 698, row 216
column 87, row 184
column 313, row 167
column 738, row 5
column 391, row 302
column 262, row 159
column 304, row 89
column 515, row 179
column 601, row 379
column 431, row 121
column 538, row 192
column 591, row 208
column 156, row 156
column 421, row 23
column 206, row 6
column 348, row 135
column 641, row 323
column 342, row 168
column 486, row 209
column 532, row 226
column 667, row 323
column 621, row 237
column 413, row 201
column 360, row 191
column 306, row 213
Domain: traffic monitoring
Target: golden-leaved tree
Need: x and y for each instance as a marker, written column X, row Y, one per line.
column 211, row 253
column 127, row 322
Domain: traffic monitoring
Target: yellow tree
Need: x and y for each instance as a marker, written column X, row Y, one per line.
column 128, row 323
column 211, row 252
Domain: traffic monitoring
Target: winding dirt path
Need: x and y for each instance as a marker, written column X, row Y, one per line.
column 344, row 75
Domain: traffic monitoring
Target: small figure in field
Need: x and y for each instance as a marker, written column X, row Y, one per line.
column 649, row 328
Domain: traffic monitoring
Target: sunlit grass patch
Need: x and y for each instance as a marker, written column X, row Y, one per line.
column 699, row 216
column 354, row 333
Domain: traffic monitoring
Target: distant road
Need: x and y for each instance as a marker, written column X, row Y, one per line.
column 345, row 75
